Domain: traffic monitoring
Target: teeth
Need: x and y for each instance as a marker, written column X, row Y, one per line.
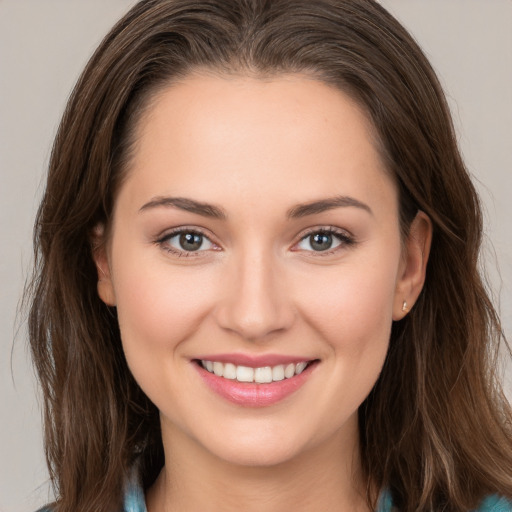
column 289, row 371
column 244, row 374
column 229, row 371
column 261, row 375
column 300, row 368
column 218, row 369
column 278, row 372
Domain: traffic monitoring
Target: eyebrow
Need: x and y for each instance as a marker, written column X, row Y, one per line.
column 189, row 205
column 303, row 210
column 212, row 211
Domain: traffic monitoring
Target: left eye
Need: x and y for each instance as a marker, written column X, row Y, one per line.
column 320, row 241
column 188, row 241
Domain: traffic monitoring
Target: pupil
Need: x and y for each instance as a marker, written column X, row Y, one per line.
column 191, row 241
column 321, row 241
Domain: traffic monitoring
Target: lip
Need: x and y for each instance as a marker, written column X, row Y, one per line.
column 253, row 394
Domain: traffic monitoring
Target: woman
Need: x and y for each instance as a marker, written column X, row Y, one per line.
column 257, row 282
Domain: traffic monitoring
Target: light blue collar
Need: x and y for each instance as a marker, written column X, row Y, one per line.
column 134, row 500
column 385, row 504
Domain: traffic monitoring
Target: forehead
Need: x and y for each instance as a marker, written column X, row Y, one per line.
column 290, row 133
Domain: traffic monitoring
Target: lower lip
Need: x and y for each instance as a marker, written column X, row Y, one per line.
column 251, row 394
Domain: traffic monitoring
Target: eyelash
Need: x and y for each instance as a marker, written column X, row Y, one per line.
column 343, row 237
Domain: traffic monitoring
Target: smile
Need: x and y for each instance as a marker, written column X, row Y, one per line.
column 254, row 383
column 261, row 375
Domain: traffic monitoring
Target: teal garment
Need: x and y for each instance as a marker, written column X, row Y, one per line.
column 495, row 504
column 134, row 496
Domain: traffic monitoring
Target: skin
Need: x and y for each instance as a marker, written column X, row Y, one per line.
column 256, row 149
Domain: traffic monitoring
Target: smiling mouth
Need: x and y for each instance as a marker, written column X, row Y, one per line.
column 260, row 375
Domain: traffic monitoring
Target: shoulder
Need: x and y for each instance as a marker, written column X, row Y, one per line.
column 495, row 504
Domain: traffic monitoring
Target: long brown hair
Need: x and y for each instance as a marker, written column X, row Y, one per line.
column 436, row 428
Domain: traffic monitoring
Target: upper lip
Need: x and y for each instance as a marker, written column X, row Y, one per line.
column 253, row 360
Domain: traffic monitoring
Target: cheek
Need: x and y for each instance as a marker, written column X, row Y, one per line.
column 159, row 308
column 351, row 306
column 351, row 309
column 159, row 305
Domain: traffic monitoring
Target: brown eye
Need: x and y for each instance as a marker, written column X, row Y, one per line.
column 320, row 241
column 190, row 241
column 186, row 242
column 324, row 240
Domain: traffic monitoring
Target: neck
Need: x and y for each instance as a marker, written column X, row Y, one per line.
column 327, row 477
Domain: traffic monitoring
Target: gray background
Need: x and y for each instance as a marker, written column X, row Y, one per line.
column 43, row 46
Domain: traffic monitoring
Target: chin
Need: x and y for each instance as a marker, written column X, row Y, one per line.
column 251, row 456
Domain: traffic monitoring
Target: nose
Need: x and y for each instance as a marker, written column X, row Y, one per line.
column 255, row 303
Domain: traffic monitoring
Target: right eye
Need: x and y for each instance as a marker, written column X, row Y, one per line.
column 186, row 241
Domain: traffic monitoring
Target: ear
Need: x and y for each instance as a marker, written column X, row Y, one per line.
column 413, row 266
column 101, row 259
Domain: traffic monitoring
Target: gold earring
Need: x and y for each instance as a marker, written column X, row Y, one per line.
column 405, row 309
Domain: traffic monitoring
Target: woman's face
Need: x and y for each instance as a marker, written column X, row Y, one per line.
column 256, row 233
